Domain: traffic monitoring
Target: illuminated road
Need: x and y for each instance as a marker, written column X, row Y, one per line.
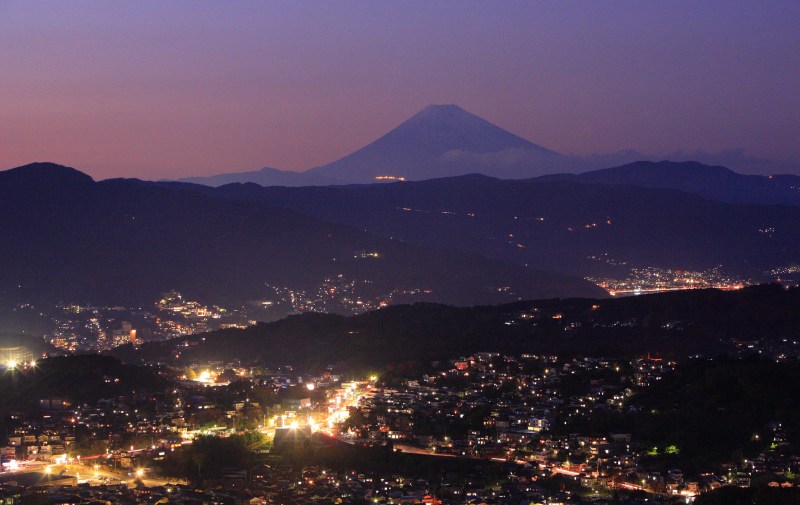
column 83, row 472
column 410, row 449
column 327, row 424
column 97, row 474
column 320, row 422
column 26, row 467
column 342, row 413
column 643, row 291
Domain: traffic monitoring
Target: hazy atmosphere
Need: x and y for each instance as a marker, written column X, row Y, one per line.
column 164, row 90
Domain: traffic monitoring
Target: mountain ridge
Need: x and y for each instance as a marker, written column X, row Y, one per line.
column 46, row 173
column 712, row 182
column 123, row 241
column 564, row 225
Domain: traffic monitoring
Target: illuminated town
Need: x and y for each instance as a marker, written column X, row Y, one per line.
column 88, row 327
column 78, row 327
column 658, row 280
column 513, row 416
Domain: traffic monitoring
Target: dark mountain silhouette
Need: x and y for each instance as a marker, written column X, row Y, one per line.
column 68, row 238
column 443, row 140
column 567, row 226
column 712, row 182
column 43, row 175
column 265, row 177
column 77, row 378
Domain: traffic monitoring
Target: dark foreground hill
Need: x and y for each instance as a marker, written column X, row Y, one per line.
column 671, row 324
column 584, row 229
column 69, row 238
column 76, row 379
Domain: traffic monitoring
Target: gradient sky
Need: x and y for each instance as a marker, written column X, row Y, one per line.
column 165, row 89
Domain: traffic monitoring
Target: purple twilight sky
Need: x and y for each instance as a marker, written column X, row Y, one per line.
column 166, row 89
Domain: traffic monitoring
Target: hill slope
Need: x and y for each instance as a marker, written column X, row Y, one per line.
column 68, row 238
column 78, row 379
column 699, row 322
column 579, row 228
